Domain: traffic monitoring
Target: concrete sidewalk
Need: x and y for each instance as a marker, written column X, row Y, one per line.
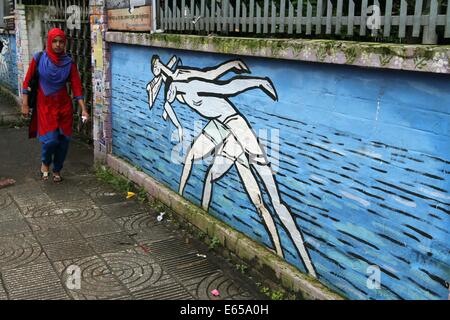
column 123, row 252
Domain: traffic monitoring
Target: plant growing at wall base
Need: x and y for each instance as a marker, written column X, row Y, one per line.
column 241, row 267
column 142, row 195
column 215, row 242
column 277, row 295
column 119, row 183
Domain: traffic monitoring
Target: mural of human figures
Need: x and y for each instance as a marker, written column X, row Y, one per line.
column 227, row 137
column 4, row 45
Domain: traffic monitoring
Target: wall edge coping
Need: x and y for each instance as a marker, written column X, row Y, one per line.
column 410, row 57
column 287, row 275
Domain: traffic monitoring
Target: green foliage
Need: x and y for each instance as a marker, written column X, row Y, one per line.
column 142, row 195
column 158, row 206
column 119, row 183
column 274, row 295
column 241, row 267
column 201, row 235
column 277, row 295
column 215, row 242
column 265, row 291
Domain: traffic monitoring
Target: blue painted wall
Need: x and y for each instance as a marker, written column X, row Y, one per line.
column 8, row 73
column 364, row 164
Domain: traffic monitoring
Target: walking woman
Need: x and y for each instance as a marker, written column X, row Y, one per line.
column 53, row 123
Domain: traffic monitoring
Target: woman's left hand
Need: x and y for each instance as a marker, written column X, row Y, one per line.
column 85, row 115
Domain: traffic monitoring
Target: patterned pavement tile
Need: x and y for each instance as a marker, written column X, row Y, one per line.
column 13, row 226
column 34, row 282
column 3, row 294
column 68, row 250
column 167, row 288
column 51, row 233
column 45, row 223
column 98, row 227
column 58, row 234
column 140, row 221
column 19, row 240
column 134, row 269
column 8, row 209
column 35, row 210
column 64, row 192
column 16, row 256
column 105, row 196
column 78, row 215
column 96, row 279
column 111, row 242
column 123, row 209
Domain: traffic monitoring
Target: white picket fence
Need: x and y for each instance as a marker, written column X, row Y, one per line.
column 327, row 17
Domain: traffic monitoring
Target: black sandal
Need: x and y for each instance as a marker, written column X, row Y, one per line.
column 57, row 179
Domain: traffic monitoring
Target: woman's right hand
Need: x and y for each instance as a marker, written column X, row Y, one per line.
column 25, row 110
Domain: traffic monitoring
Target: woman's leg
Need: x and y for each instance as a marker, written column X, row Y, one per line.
column 48, row 150
column 60, row 154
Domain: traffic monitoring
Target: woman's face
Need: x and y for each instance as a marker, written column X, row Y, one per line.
column 58, row 45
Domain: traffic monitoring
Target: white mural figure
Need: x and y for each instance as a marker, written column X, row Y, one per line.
column 4, row 45
column 215, row 136
column 228, row 132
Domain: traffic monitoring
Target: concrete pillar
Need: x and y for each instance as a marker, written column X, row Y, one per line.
column 2, row 14
column 34, row 16
column 28, row 29
column 101, row 81
column 22, row 51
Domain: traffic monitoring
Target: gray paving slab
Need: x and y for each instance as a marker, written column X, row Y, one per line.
column 18, row 240
column 3, row 294
column 111, row 242
column 140, row 221
column 49, row 232
column 10, row 227
column 98, row 227
column 15, row 257
column 97, row 281
column 64, row 192
column 58, row 234
column 34, row 282
column 68, row 250
column 123, row 209
column 8, row 209
column 45, row 223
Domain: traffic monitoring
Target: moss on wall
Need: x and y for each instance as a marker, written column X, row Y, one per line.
column 408, row 57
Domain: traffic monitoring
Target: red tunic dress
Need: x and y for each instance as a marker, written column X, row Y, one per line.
column 55, row 111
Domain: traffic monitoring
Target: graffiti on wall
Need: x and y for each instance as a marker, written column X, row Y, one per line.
column 8, row 64
column 227, row 137
column 364, row 160
column 4, row 55
column 98, row 78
